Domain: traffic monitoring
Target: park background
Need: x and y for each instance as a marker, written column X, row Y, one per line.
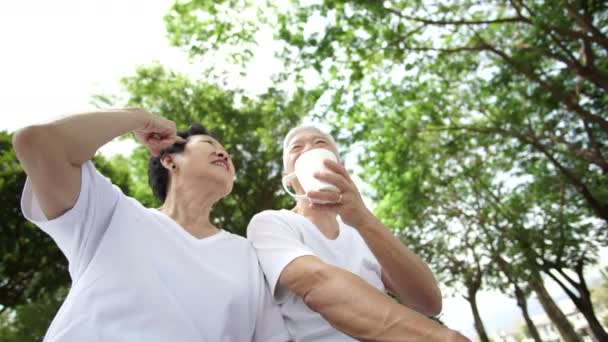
column 477, row 131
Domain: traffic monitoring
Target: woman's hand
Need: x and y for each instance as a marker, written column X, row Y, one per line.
column 156, row 132
column 348, row 202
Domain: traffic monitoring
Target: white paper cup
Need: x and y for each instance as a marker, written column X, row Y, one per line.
column 310, row 162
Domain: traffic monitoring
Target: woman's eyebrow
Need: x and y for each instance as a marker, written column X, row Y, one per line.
column 216, row 143
column 211, row 140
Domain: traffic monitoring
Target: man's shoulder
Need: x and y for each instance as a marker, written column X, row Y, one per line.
column 274, row 220
column 271, row 213
column 282, row 216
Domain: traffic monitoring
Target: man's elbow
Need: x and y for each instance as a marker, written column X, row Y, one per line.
column 319, row 295
column 434, row 307
column 432, row 304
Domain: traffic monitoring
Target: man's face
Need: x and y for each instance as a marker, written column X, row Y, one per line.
column 302, row 142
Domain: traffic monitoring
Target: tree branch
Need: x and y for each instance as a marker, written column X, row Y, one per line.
column 567, row 99
column 458, row 22
column 566, row 289
column 586, row 25
column 590, row 156
column 586, row 71
column 597, row 148
column 599, row 209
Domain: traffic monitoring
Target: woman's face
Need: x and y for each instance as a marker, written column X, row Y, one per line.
column 204, row 157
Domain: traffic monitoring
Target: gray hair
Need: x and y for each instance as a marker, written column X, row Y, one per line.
column 298, row 129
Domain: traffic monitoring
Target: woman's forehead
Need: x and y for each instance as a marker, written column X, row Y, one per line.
column 203, row 137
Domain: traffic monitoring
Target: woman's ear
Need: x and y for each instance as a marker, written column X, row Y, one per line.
column 167, row 161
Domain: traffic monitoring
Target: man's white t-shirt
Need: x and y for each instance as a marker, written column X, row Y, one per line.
column 138, row 276
column 279, row 237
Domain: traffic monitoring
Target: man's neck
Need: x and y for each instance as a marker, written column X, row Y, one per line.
column 325, row 220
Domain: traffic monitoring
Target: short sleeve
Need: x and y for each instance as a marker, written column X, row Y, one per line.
column 269, row 326
column 78, row 231
column 276, row 244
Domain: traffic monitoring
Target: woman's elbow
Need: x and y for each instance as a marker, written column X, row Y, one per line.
column 27, row 141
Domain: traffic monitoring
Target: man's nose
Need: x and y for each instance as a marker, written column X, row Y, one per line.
column 308, row 147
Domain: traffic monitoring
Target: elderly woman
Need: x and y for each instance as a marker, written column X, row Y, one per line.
column 141, row 274
column 316, row 264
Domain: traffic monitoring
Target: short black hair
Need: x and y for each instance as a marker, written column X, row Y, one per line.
column 158, row 175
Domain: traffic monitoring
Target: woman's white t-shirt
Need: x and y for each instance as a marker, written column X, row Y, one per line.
column 281, row 236
column 138, row 276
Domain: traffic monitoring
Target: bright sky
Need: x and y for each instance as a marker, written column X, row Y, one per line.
column 57, row 54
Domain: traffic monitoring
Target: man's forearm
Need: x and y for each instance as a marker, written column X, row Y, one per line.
column 357, row 309
column 80, row 136
column 410, row 278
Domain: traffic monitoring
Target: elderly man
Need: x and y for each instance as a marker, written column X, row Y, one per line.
column 329, row 275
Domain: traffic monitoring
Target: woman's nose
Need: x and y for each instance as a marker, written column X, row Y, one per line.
column 222, row 154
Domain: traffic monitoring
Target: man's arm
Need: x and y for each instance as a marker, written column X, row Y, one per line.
column 404, row 273
column 52, row 154
column 354, row 307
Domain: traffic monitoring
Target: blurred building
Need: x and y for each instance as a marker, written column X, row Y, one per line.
column 547, row 331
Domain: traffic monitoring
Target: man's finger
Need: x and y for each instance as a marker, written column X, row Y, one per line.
column 336, row 167
column 338, row 180
column 324, row 206
column 325, row 196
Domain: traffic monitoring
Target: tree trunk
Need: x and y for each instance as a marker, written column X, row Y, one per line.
column 582, row 301
column 479, row 327
column 596, row 327
column 558, row 318
column 523, row 305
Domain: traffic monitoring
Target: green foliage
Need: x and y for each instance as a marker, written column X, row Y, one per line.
column 29, row 322
column 483, row 127
column 483, row 124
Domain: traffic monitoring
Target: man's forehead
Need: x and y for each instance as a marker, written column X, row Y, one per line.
column 306, row 134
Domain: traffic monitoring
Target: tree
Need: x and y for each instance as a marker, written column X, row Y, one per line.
column 29, row 322
column 600, row 295
column 524, row 81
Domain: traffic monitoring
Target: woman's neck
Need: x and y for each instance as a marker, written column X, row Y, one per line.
column 191, row 208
